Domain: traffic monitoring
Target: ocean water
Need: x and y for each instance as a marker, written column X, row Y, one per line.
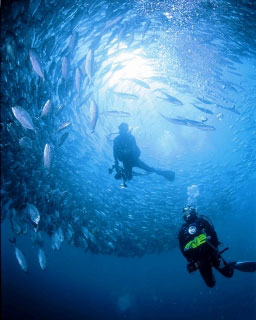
column 182, row 74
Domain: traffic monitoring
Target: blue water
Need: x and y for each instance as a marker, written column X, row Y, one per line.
column 199, row 52
column 85, row 286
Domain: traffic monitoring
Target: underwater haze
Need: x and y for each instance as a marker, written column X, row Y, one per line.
column 76, row 244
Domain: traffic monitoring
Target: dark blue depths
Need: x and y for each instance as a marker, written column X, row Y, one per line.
column 79, row 285
column 204, row 87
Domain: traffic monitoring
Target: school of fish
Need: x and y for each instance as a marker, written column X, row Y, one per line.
column 55, row 120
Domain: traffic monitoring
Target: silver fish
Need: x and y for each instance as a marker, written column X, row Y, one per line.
column 112, row 36
column 21, row 259
column 25, row 142
column 169, row 98
column 93, row 115
column 115, row 113
column 42, row 259
column 50, row 46
column 111, row 23
column 203, row 109
column 205, row 127
column 78, row 80
column 47, row 108
column 63, row 126
column 60, row 234
column 198, row 125
column 83, row 242
column 146, row 27
column 36, row 64
column 72, row 42
column 70, row 232
column 119, row 66
column 233, row 109
column 85, row 232
column 157, row 79
column 17, row 8
column 33, row 6
column 23, row 117
column 11, row 46
column 14, row 225
column 65, row 67
column 95, row 42
column 122, row 32
column 92, row 238
column 89, row 64
column 190, row 123
column 33, row 213
column 110, row 245
column 57, row 239
column 47, row 156
column 204, row 100
column 131, row 38
column 175, row 121
column 140, row 83
column 63, row 138
column 126, row 95
column 87, row 96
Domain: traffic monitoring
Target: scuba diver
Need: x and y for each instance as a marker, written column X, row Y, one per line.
column 199, row 245
column 126, row 150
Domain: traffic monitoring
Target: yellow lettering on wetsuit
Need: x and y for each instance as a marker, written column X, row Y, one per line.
column 196, row 242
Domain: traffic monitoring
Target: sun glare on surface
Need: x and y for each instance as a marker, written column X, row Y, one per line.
column 130, row 65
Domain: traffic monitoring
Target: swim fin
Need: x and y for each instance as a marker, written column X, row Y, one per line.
column 169, row 175
column 245, row 266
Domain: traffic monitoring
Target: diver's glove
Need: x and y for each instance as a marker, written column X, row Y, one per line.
column 192, row 266
column 119, row 172
column 118, row 175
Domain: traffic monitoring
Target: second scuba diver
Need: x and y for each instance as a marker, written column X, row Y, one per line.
column 126, row 150
column 199, row 245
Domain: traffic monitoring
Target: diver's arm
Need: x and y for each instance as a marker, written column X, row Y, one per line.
column 182, row 244
column 115, row 151
column 187, row 254
column 210, row 231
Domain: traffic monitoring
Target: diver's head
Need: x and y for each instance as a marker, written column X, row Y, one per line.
column 123, row 128
column 189, row 213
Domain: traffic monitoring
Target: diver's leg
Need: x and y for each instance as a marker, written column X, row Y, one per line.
column 128, row 171
column 205, row 270
column 140, row 164
column 169, row 175
column 226, row 269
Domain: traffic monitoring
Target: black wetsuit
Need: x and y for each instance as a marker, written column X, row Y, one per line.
column 201, row 252
column 126, row 150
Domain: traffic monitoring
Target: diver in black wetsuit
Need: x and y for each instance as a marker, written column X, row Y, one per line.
column 126, row 150
column 199, row 245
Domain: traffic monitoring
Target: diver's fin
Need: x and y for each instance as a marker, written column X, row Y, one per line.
column 169, row 175
column 245, row 266
column 134, row 173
